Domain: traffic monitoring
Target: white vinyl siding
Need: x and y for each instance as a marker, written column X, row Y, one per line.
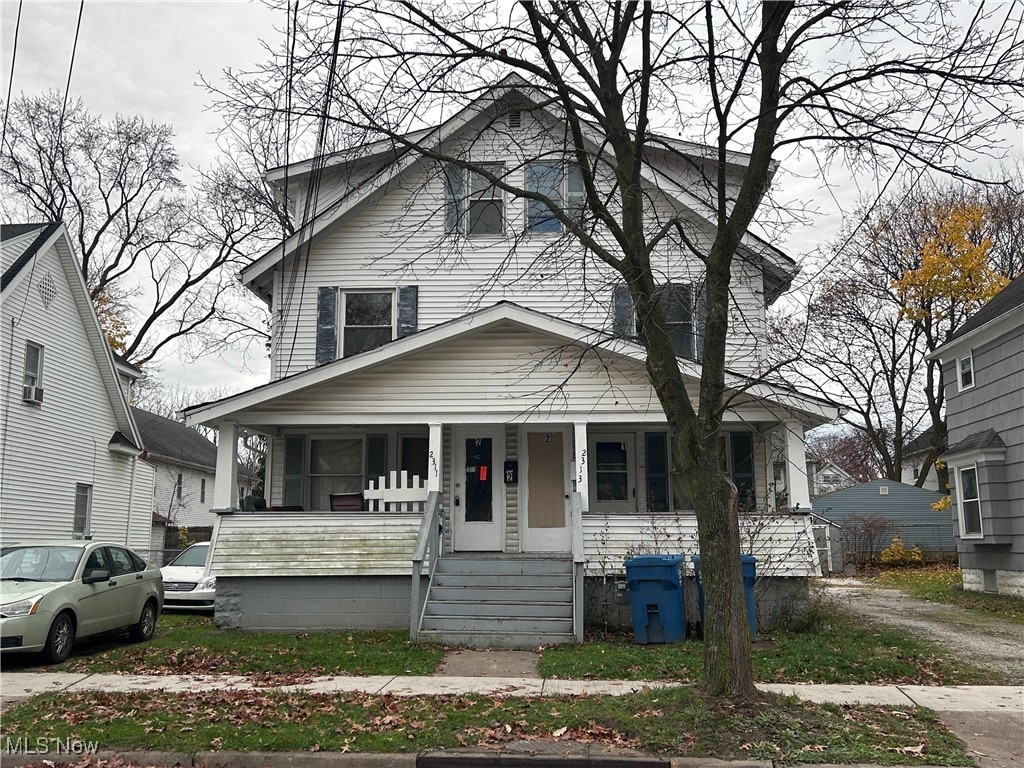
column 191, row 510
column 51, row 449
column 782, row 544
column 399, row 238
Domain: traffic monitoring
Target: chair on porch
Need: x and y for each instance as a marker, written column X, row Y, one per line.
column 347, row 502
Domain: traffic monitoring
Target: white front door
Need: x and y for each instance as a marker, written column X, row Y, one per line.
column 613, row 473
column 544, row 489
column 478, row 493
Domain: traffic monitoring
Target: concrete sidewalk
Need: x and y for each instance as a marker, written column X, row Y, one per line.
column 959, row 698
column 988, row 719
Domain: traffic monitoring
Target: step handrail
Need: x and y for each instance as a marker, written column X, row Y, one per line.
column 427, row 541
column 578, row 563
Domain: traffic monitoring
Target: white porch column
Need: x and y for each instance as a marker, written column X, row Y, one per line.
column 582, row 477
column 225, row 486
column 434, row 458
column 796, row 465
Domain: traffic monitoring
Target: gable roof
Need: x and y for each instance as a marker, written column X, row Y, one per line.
column 1008, row 300
column 396, row 158
column 13, row 231
column 815, row 409
column 54, row 235
column 1011, row 297
column 920, row 444
column 172, row 440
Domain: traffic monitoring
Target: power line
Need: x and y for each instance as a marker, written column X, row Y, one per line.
column 10, row 82
column 71, row 68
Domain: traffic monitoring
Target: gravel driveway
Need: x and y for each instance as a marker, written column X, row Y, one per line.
column 985, row 641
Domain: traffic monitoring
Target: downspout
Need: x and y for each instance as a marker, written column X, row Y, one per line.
column 131, row 504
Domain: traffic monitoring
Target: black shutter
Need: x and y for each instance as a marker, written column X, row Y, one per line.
column 408, row 310
column 700, row 317
column 454, row 198
column 326, row 325
column 622, row 311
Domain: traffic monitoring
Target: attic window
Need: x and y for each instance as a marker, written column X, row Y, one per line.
column 515, row 119
column 883, row 490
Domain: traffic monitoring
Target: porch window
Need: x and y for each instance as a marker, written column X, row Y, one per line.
column 656, row 445
column 415, row 450
column 369, row 320
column 335, row 466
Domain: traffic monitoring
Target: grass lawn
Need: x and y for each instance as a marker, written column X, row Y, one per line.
column 674, row 722
column 191, row 643
column 842, row 649
column 943, row 584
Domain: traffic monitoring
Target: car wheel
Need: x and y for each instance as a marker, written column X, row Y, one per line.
column 59, row 640
column 147, row 624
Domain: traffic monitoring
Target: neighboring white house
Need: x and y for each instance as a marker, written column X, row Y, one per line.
column 821, row 475
column 426, row 323
column 983, row 376
column 184, row 463
column 915, row 455
column 70, row 447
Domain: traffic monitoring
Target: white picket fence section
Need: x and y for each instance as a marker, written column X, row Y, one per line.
column 396, row 493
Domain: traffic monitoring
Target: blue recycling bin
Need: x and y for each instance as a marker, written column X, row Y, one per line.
column 749, row 563
column 656, row 598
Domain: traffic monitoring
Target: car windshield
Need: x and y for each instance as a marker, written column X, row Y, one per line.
column 33, row 563
column 194, row 557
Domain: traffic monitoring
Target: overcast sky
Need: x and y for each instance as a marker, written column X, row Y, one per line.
column 143, row 58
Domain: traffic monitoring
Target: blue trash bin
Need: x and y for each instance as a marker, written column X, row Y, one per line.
column 749, row 564
column 656, row 598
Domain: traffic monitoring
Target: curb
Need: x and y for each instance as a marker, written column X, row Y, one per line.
column 437, row 759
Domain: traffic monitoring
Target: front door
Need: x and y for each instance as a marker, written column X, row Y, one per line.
column 478, row 494
column 546, row 498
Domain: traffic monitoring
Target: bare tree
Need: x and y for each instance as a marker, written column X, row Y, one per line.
column 159, row 258
column 873, row 82
column 908, row 273
column 849, row 449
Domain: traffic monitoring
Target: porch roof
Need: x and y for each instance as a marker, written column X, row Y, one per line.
column 476, row 336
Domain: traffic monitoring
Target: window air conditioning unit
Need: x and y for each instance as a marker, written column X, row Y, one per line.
column 32, row 394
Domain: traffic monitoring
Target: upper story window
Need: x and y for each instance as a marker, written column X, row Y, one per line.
column 966, row 368
column 473, row 205
column 969, row 508
column 368, row 320
column 560, row 183
column 683, row 307
column 80, row 524
column 364, row 318
column 33, row 378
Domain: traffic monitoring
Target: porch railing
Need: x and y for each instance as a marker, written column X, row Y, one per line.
column 578, row 564
column 428, row 544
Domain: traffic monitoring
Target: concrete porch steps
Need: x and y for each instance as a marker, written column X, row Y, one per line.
column 499, row 601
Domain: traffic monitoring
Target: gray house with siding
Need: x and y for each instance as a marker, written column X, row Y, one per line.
column 983, row 375
column 870, row 514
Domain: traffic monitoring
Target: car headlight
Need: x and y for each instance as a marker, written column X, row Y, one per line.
column 21, row 607
column 210, row 582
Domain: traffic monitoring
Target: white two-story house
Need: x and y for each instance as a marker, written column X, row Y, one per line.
column 430, row 325
column 71, row 451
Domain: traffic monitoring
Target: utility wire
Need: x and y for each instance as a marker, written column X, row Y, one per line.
column 10, row 82
column 71, row 68
column 316, row 173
